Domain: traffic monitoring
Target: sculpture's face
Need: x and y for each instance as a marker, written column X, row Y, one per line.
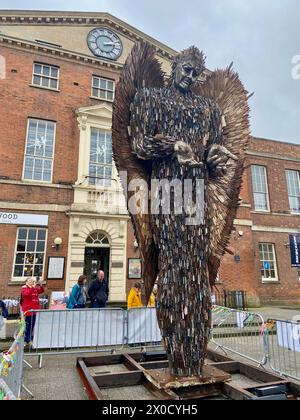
column 186, row 75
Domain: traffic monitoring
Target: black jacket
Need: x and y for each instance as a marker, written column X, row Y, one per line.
column 3, row 310
column 99, row 291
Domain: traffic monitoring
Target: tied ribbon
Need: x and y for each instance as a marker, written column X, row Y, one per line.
column 5, row 392
column 7, row 359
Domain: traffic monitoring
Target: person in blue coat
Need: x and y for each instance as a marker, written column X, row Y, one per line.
column 78, row 295
column 3, row 309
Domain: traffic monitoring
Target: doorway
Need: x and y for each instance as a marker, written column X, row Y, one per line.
column 96, row 259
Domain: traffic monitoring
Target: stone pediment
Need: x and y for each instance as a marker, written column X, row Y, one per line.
column 68, row 32
column 102, row 111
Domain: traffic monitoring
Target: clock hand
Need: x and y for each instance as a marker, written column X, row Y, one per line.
column 109, row 43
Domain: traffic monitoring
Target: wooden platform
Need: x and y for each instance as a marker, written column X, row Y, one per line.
column 115, row 377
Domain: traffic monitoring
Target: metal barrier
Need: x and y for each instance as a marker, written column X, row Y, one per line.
column 142, row 327
column 239, row 332
column 234, row 300
column 92, row 330
column 100, row 330
column 5, row 392
column 11, row 364
column 14, row 308
column 77, row 331
column 283, row 338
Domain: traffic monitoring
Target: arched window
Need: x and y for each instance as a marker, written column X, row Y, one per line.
column 98, row 239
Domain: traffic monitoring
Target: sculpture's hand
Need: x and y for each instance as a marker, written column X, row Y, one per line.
column 217, row 159
column 185, row 155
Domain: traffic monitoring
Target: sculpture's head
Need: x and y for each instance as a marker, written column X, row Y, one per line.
column 187, row 67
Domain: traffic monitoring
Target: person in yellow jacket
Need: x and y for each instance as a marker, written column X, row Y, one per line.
column 135, row 297
column 152, row 300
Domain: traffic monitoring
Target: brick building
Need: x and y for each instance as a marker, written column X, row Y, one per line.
column 269, row 214
column 62, row 210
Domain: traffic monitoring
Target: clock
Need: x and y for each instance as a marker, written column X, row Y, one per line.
column 105, row 43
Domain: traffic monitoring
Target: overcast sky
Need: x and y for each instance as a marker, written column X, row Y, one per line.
column 260, row 36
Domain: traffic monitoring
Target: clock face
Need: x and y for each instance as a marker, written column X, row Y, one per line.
column 105, row 43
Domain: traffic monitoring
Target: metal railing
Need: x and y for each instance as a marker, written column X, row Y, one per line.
column 14, row 308
column 11, row 364
column 142, row 328
column 283, row 346
column 5, row 392
column 239, row 332
column 77, row 331
column 234, row 300
column 242, row 333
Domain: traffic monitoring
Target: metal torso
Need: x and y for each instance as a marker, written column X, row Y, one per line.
column 184, row 292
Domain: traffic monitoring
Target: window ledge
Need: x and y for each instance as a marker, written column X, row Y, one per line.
column 271, row 282
column 44, row 88
column 28, row 181
column 111, row 101
column 34, row 184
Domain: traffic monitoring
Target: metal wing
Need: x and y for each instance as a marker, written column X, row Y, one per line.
column 226, row 89
column 141, row 69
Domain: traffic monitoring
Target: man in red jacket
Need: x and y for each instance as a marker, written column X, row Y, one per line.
column 30, row 302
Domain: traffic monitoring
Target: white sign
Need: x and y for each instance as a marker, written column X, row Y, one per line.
column 56, row 268
column 23, row 219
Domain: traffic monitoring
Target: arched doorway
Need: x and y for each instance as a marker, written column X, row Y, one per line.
column 97, row 256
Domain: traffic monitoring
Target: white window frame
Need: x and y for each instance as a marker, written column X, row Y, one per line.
column 269, row 279
column 99, row 183
column 287, row 172
column 23, row 279
column 260, row 192
column 39, row 157
column 42, row 76
column 106, row 90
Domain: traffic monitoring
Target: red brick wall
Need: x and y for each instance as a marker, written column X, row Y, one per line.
column 287, row 289
column 240, row 275
column 18, row 102
column 246, row 274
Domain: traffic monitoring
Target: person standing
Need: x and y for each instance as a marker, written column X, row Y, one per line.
column 3, row 309
column 78, row 295
column 153, row 296
column 99, row 291
column 3, row 314
column 135, row 297
column 30, row 302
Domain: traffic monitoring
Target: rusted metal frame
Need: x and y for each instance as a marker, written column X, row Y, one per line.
column 103, row 360
column 136, row 376
column 200, row 392
column 160, row 394
column 217, row 357
column 89, row 382
column 130, row 362
column 228, row 367
column 258, row 374
column 155, row 365
column 236, row 393
column 118, row 380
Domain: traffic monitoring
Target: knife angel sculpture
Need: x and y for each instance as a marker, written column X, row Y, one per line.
column 185, row 140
